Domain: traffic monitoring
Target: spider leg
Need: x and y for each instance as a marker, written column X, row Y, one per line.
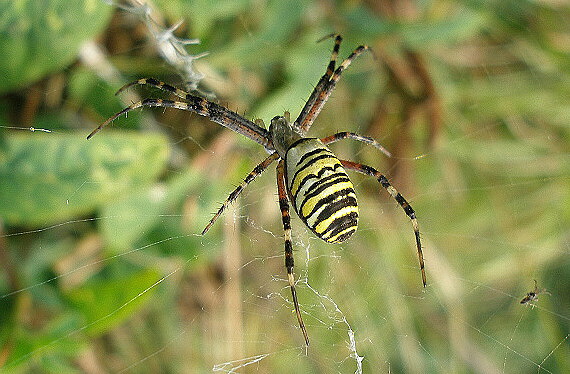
column 367, row 170
column 350, row 135
column 157, row 84
column 289, row 263
column 235, row 193
column 323, row 90
column 322, row 82
column 203, row 107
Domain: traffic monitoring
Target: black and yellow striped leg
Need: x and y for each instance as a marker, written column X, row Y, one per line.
column 321, row 85
column 350, row 135
column 289, row 263
column 334, row 53
column 156, row 84
column 367, row 170
column 235, row 193
column 216, row 113
column 324, row 88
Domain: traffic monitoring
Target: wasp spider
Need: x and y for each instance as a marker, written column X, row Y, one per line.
column 308, row 174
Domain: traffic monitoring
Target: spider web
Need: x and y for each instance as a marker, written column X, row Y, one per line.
column 341, row 295
column 221, row 303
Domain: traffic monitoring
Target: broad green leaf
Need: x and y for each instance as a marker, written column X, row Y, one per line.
column 425, row 34
column 421, row 34
column 155, row 214
column 55, row 342
column 47, row 178
column 87, row 90
column 206, row 13
column 38, row 37
column 106, row 303
column 123, row 222
column 305, row 64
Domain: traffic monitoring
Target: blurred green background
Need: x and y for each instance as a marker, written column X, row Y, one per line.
column 103, row 269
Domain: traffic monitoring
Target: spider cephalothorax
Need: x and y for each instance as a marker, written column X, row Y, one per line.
column 308, row 174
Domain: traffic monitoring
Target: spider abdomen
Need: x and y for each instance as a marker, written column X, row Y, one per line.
column 321, row 192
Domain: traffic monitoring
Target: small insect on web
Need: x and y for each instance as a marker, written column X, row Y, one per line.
column 533, row 295
column 309, row 175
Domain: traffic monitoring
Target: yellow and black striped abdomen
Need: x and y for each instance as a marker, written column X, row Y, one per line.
column 320, row 190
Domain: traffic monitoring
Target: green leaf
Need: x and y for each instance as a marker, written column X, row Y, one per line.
column 87, row 90
column 305, row 64
column 426, row 34
column 206, row 13
column 123, row 222
column 106, row 303
column 38, row 37
column 45, row 179
column 421, row 34
column 47, row 347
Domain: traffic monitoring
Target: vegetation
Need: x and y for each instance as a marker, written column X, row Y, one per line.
column 102, row 265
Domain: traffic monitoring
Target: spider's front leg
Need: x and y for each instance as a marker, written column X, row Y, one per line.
column 235, row 193
column 289, row 263
column 324, row 87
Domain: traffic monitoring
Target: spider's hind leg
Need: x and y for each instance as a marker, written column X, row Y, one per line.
column 289, row 262
column 367, row 170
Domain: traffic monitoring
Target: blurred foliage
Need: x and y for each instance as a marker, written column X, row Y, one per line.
column 41, row 37
column 103, row 267
column 39, row 175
